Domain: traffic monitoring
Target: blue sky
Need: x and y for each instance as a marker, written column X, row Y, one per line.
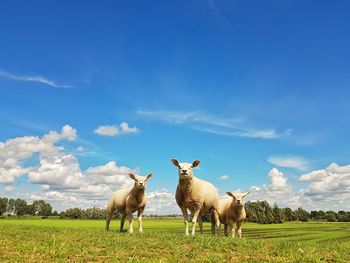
column 257, row 90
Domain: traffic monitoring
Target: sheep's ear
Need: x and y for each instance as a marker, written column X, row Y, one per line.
column 245, row 194
column 149, row 176
column 132, row 176
column 230, row 194
column 196, row 163
column 175, row 162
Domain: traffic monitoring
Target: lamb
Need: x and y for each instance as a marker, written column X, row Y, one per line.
column 196, row 195
column 232, row 211
column 127, row 201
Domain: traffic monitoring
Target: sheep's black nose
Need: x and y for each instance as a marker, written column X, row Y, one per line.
column 238, row 201
column 184, row 171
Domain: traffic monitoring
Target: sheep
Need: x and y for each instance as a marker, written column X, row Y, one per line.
column 127, row 201
column 232, row 211
column 196, row 195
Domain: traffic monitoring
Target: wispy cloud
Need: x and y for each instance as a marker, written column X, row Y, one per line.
column 33, row 78
column 216, row 11
column 213, row 124
column 289, row 161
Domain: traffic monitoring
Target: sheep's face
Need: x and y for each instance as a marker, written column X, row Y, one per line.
column 185, row 169
column 237, row 199
column 140, row 181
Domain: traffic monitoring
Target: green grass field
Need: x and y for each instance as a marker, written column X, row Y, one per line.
column 164, row 241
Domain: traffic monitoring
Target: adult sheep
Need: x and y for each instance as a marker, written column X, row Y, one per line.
column 196, row 195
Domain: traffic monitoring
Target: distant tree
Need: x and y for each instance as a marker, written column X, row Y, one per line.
column 95, row 213
column 343, row 216
column 302, row 214
column 11, row 206
column 74, row 213
column 288, row 214
column 250, row 212
column 331, row 216
column 3, row 205
column 46, row 210
column 269, row 217
column 55, row 213
column 30, row 210
column 318, row 215
column 20, row 207
column 277, row 213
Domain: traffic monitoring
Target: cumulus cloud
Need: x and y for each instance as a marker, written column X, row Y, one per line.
column 327, row 189
column 296, row 162
column 330, row 185
column 113, row 130
column 277, row 191
column 161, row 202
column 59, row 171
column 14, row 151
column 110, row 174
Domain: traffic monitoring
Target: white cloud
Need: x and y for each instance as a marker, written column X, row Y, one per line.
column 59, row 171
column 80, row 149
column 329, row 186
column 112, row 130
column 278, row 191
column 9, row 188
column 107, row 130
column 327, row 189
column 110, row 174
column 14, row 151
column 223, row 177
column 296, row 162
column 212, row 124
column 9, row 175
column 68, row 133
column 29, row 78
column 62, row 181
column 161, row 202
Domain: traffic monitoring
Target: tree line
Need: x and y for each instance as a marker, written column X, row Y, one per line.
column 258, row 212
column 20, row 207
column 261, row 212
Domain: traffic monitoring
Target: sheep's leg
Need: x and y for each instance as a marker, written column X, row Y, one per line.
column 185, row 215
column 194, row 221
column 139, row 218
column 109, row 214
column 122, row 220
column 226, row 230
column 216, row 223
column 231, row 229
column 239, row 229
column 131, row 221
column 200, row 223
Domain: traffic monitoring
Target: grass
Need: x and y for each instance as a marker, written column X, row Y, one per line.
column 29, row 240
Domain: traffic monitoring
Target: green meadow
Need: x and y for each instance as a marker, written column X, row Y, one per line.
column 163, row 240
